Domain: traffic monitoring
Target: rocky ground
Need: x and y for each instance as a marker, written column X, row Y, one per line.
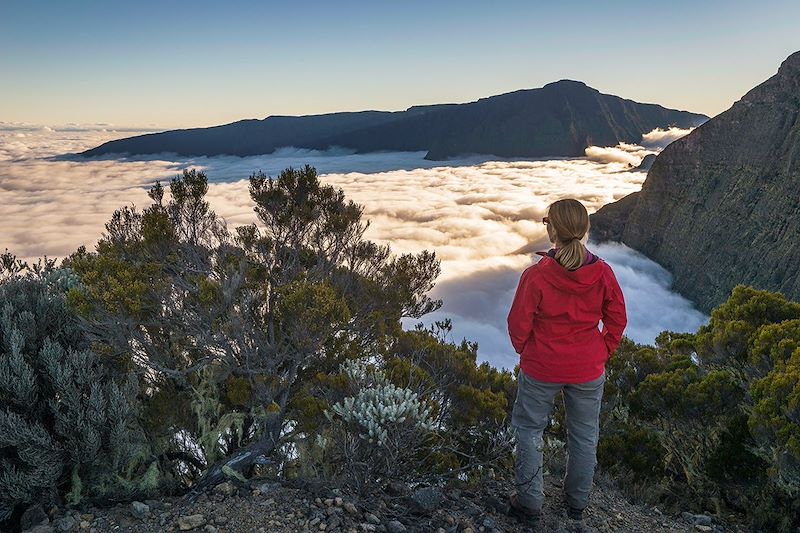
column 281, row 507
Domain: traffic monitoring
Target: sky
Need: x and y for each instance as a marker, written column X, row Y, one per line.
column 161, row 65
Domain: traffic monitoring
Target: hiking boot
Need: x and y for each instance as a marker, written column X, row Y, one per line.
column 574, row 514
column 522, row 513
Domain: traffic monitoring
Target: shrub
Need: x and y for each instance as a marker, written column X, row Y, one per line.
column 69, row 427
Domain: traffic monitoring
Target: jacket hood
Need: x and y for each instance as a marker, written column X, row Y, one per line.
column 575, row 281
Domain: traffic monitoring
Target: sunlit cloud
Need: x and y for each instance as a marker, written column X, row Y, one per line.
column 660, row 138
column 482, row 217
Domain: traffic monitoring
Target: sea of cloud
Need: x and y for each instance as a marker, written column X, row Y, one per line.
column 481, row 215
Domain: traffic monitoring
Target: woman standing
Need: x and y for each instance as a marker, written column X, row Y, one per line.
column 553, row 325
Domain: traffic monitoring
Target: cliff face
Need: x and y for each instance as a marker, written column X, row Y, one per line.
column 559, row 119
column 721, row 206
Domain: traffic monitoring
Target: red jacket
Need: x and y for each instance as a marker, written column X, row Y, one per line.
column 553, row 321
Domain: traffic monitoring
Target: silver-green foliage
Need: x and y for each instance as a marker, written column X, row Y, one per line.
column 374, row 433
column 65, row 423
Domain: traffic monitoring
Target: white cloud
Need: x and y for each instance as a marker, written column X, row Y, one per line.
column 660, row 138
column 482, row 217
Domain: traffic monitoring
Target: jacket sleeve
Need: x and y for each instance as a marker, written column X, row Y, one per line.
column 523, row 308
column 614, row 317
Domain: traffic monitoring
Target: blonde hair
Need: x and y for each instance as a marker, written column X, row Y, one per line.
column 570, row 222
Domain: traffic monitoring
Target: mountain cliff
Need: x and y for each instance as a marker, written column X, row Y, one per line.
column 721, row 206
column 559, row 119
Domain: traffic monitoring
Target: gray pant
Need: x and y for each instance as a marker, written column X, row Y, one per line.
column 529, row 419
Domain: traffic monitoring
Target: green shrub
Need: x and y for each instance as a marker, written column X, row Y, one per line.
column 69, row 426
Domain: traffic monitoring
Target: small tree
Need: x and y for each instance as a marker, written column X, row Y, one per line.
column 256, row 313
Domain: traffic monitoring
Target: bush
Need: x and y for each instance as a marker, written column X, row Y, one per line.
column 719, row 410
column 69, row 428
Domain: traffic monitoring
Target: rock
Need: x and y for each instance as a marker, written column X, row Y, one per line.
column 41, row 528
column 269, row 488
column 700, row 527
column 33, row 516
column 191, row 521
column 140, row 510
column 210, row 529
column 703, row 520
column 334, row 522
column 488, row 523
column 733, row 180
column 84, row 524
column 350, row 508
column 647, row 162
column 226, row 488
column 426, row 500
column 394, row 526
column 153, row 504
column 371, row 518
column 66, row 523
column 397, row 488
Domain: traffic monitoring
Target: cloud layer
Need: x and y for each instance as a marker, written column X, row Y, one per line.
column 482, row 217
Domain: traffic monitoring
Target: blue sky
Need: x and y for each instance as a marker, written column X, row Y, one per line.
column 183, row 64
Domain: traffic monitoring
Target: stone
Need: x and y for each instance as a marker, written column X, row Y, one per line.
column 397, row 488
column 395, row 526
column 700, row 527
column 154, row 504
column 139, row 509
column 350, row 508
column 65, row 524
column 191, row 521
column 269, row 488
column 426, row 500
column 226, row 488
column 703, row 520
column 33, row 516
column 41, row 528
column 371, row 518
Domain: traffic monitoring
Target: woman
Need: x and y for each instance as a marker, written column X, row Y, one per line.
column 553, row 325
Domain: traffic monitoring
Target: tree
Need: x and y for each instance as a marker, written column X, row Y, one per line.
column 231, row 324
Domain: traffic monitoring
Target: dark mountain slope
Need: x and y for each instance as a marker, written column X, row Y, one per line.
column 721, row 206
column 559, row 119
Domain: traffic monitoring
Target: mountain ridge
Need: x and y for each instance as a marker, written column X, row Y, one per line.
column 732, row 180
column 559, row 119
